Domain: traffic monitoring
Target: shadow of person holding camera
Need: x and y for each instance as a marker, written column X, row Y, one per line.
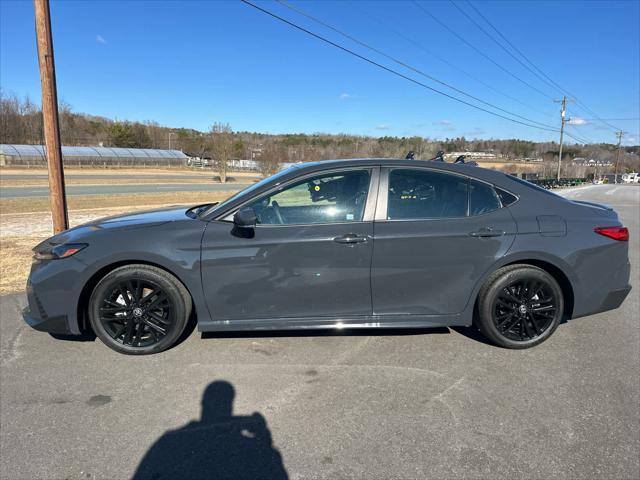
column 218, row 446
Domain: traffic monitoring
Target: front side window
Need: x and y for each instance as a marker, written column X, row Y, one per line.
column 328, row 198
column 418, row 194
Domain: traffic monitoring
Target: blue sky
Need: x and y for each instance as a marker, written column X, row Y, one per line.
column 193, row 63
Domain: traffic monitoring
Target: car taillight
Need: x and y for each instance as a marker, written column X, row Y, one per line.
column 617, row 233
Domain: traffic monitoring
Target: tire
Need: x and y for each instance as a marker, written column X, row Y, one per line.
column 139, row 309
column 519, row 306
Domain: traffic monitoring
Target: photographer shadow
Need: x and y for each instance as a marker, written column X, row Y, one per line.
column 218, row 446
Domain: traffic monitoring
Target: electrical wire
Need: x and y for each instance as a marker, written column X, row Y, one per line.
column 421, row 47
column 477, row 50
column 564, row 91
column 388, row 69
column 537, row 75
column 405, row 65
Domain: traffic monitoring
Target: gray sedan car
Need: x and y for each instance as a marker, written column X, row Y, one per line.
column 338, row 244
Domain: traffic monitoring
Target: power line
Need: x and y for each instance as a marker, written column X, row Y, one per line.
column 614, row 119
column 403, row 64
column 578, row 136
column 421, row 47
column 500, row 44
column 388, row 69
column 464, row 40
column 583, row 106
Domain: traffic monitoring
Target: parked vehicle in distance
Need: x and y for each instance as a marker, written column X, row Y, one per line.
column 338, row 244
column 631, row 178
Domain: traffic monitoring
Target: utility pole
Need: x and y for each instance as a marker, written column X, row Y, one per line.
column 563, row 119
column 619, row 135
column 53, row 149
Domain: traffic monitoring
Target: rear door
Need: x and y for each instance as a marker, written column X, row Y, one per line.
column 436, row 234
column 309, row 257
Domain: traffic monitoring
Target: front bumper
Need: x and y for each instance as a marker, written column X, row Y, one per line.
column 59, row 325
column 53, row 298
column 37, row 317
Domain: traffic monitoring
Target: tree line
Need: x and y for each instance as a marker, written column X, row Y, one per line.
column 21, row 123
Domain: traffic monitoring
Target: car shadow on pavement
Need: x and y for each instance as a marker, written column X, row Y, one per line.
column 218, row 446
column 473, row 333
column 328, row 332
column 85, row 337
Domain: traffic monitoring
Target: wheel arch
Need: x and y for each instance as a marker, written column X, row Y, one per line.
column 87, row 289
column 559, row 274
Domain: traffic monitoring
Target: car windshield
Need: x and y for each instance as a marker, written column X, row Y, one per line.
column 247, row 190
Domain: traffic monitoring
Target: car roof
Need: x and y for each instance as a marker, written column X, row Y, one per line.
column 465, row 169
column 495, row 177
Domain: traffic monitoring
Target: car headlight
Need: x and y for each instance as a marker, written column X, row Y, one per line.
column 57, row 252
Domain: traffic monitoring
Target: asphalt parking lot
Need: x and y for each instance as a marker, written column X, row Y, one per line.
column 365, row 405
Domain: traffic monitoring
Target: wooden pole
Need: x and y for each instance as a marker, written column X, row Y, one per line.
column 57, row 196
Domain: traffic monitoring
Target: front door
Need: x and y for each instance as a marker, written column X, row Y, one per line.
column 310, row 254
column 435, row 238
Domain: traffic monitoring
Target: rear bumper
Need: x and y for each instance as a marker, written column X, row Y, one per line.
column 615, row 298
column 611, row 301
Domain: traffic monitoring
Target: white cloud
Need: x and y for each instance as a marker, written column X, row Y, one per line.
column 578, row 121
column 383, row 126
column 100, row 39
column 345, row 96
column 445, row 123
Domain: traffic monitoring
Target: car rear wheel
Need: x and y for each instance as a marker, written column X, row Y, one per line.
column 520, row 306
column 139, row 309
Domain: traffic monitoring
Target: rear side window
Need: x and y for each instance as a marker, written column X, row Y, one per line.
column 482, row 198
column 417, row 194
column 506, row 198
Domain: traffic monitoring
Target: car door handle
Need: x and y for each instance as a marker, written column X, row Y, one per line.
column 350, row 238
column 487, row 232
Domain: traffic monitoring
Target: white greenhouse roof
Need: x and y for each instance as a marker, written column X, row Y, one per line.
column 37, row 151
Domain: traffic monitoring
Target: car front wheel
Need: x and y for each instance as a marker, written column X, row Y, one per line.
column 139, row 309
column 520, row 306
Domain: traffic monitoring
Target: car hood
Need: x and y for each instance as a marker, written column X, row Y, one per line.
column 144, row 219
column 141, row 219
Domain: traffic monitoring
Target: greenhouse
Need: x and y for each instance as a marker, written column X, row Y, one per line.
column 34, row 156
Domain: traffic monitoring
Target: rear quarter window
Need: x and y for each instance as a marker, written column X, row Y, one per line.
column 482, row 198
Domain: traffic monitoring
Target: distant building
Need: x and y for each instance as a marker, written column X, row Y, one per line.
column 34, row 155
column 592, row 162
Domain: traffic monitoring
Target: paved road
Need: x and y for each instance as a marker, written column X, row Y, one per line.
column 83, row 190
column 374, row 405
column 120, row 176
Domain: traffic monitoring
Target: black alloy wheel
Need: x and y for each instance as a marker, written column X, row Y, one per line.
column 524, row 310
column 138, row 309
column 519, row 306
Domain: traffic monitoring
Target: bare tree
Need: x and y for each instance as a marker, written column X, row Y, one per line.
column 222, row 147
column 271, row 159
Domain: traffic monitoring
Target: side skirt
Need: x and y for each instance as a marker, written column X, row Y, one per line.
column 310, row 323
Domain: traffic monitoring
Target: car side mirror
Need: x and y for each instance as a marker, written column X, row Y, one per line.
column 245, row 218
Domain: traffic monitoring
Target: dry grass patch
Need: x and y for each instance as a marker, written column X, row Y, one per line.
column 25, row 222
column 15, row 262
column 41, row 204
